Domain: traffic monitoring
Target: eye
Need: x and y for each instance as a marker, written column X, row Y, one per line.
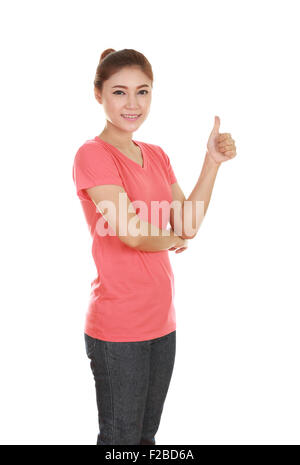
column 143, row 90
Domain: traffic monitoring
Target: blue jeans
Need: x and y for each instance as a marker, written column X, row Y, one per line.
column 132, row 380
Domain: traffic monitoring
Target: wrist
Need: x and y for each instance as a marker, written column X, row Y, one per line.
column 178, row 240
column 210, row 162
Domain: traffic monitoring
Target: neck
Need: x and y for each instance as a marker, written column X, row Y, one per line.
column 119, row 139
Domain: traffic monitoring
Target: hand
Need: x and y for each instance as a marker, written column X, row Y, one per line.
column 220, row 147
column 180, row 247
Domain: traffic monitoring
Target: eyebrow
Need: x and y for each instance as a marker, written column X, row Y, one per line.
column 125, row 87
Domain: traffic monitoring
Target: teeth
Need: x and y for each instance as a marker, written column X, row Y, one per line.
column 130, row 116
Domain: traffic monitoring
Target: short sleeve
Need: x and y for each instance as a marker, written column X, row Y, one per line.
column 171, row 173
column 94, row 166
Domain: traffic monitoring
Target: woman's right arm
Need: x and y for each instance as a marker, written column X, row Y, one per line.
column 119, row 212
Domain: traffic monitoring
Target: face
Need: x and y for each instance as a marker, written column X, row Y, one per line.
column 127, row 92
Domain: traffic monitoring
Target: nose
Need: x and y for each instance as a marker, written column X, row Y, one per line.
column 132, row 102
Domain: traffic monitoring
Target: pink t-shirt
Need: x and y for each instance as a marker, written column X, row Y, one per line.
column 132, row 297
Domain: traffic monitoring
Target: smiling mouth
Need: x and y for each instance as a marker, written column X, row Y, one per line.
column 131, row 117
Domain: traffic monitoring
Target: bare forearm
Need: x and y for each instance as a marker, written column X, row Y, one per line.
column 157, row 240
column 153, row 239
column 195, row 209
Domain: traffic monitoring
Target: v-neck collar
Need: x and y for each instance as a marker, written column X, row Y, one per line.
column 125, row 157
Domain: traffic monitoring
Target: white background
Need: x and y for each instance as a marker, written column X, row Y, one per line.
column 236, row 376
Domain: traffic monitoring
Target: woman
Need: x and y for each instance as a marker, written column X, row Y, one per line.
column 130, row 329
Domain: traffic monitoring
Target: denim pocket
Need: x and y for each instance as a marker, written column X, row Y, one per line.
column 90, row 345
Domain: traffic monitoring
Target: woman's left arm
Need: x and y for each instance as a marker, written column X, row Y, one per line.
column 187, row 214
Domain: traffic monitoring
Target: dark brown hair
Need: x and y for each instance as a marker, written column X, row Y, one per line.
column 112, row 61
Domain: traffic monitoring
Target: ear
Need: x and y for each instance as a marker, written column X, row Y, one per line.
column 97, row 95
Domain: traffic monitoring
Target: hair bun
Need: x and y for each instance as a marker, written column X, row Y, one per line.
column 105, row 53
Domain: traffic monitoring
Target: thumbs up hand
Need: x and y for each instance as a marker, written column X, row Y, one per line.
column 220, row 147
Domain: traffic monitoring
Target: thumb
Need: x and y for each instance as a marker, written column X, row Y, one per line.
column 216, row 127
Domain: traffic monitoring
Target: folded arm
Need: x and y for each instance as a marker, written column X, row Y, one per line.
column 128, row 226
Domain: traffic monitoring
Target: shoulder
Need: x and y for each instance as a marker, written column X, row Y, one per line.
column 160, row 154
column 155, row 149
column 92, row 151
column 91, row 146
